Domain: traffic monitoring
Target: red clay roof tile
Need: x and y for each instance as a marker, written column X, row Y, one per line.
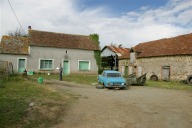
column 60, row 40
column 14, row 45
column 119, row 50
column 180, row 45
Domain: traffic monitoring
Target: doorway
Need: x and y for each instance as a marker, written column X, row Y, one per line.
column 21, row 65
column 166, row 73
column 66, row 67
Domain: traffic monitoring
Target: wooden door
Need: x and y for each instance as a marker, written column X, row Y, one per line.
column 65, row 67
column 21, row 65
column 166, row 73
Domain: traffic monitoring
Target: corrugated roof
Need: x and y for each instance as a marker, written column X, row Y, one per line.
column 14, row 45
column 60, row 40
column 180, row 45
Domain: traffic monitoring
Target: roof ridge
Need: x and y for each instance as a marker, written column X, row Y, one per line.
column 152, row 41
column 61, row 40
column 58, row 33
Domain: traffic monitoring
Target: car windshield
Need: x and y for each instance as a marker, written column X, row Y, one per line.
column 113, row 75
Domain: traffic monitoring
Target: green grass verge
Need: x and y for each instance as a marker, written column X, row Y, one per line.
column 77, row 78
column 168, row 85
column 17, row 94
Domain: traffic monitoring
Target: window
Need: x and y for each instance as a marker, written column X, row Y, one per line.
column 113, row 75
column 84, row 65
column 46, row 64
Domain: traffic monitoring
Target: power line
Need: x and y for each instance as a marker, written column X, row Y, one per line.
column 16, row 16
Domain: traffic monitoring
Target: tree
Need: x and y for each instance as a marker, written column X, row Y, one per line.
column 17, row 33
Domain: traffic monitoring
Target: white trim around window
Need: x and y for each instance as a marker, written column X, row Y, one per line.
column 47, row 67
column 86, row 69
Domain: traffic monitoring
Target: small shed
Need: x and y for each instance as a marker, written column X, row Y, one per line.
column 110, row 56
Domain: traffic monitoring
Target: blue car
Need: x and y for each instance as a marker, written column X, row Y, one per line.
column 112, row 79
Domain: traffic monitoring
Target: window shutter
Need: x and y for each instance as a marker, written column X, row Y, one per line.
column 83, row 65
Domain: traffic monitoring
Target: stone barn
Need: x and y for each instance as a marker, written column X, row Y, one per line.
column 164, row 59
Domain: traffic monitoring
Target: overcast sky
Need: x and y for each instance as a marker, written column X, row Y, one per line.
column 126, row 22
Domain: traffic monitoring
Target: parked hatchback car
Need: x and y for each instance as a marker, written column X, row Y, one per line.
column 112, row 79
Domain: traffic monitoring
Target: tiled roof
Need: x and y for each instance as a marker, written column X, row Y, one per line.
column 60, row 40
column 180, row 45
column 123, row 53
column 14, row 45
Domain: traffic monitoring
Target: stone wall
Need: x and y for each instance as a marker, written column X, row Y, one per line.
column 180, row 66
column 122, row 65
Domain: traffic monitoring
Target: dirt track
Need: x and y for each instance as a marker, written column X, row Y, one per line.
column 137, row 107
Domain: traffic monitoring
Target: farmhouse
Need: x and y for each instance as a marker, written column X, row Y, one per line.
column 164, row 59
column 44, row 51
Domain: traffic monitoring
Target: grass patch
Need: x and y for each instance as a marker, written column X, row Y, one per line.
column 82, row 79
column 27, row 104
column 77, row 78
column 168, row 85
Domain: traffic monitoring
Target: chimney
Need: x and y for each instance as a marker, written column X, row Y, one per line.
column 29, row 28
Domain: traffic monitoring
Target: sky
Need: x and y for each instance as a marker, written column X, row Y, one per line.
column 125, row 22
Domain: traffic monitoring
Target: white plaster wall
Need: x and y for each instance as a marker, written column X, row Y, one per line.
column 13, row 59
column 58, row 55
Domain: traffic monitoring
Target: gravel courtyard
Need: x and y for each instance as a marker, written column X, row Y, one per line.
column 137, row 107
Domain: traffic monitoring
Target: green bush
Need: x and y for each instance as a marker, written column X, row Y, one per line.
column 100, row 71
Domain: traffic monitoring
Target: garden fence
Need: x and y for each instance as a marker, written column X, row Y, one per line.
column 5, row 69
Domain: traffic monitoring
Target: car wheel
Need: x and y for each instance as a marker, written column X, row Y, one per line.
column 103, row 85
column 99, row 86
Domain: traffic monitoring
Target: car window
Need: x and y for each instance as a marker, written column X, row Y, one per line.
column 113, row 75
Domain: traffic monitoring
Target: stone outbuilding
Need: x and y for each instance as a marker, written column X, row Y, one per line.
column 165, row 59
